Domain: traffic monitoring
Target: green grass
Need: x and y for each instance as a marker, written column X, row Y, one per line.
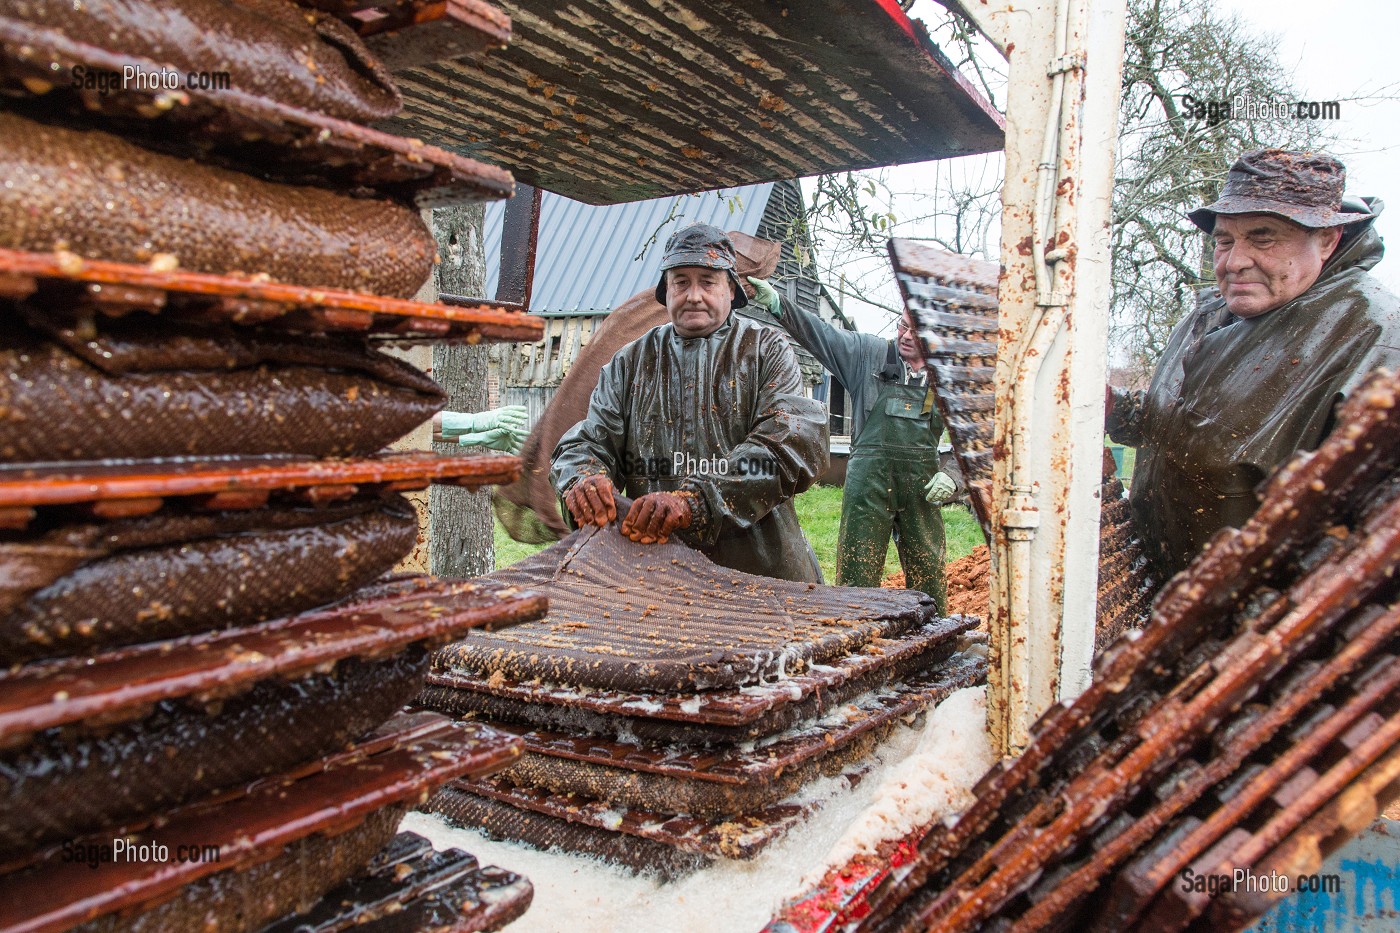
column 819, row 512
column 962, row 530
column 1129, row 461
column 508, row 550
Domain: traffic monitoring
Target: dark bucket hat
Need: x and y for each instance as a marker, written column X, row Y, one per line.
column 1304, row 187
column 701, row 245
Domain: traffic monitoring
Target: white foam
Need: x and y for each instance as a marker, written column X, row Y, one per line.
column 915, row 775
column 643, row 707
column 935, row 782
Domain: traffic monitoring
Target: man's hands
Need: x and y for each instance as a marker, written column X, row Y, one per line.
column 652, row 519
column 590, row 501
column 766, row 295
column 940, row 488
column 655, row 516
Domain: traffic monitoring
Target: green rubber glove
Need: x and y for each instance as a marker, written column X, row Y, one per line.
column 766, row 295
column 940, row 489
column 502, row 439
column 512, row 417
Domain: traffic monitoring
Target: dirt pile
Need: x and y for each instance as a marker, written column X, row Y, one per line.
column 969, row 582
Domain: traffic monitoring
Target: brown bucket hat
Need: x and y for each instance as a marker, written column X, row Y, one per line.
column 701, row 245
column 1304, row 187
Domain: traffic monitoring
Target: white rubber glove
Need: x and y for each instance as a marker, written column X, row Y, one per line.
column 940, row 488
column 512, row 417
column 502, row 439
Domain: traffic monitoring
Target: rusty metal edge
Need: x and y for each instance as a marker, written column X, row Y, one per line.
column 481, row 319
column 67, row 484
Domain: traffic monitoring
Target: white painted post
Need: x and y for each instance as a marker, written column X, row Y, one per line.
column 1065, row 72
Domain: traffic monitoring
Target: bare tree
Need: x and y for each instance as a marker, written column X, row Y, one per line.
column 1181, row 56
column 463, row 543
column 960, row 212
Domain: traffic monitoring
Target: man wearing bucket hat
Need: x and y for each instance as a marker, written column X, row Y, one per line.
column 1256, row 371
column 703, row 422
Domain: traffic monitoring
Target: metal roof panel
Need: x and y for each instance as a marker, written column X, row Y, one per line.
column 592, row 258
column 617, row 100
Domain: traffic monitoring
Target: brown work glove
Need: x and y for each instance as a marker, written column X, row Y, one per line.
column 654, row 516
column 590, row 501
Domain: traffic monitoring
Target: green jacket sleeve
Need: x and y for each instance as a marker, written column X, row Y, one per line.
column 786, row 450
column 849, row 355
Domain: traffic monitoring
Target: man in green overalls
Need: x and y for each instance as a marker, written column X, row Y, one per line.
column 894, row 483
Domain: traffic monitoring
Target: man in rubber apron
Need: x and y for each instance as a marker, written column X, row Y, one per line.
column 704, row 422
column 894, row 483
column 1257, row 371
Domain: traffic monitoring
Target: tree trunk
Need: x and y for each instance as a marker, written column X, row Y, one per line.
column 460, row 523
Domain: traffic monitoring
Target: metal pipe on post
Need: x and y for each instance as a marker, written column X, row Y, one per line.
column 1061, row 126
column 1020, row 515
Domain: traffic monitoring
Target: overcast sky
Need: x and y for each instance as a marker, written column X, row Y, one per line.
column 1342, row 50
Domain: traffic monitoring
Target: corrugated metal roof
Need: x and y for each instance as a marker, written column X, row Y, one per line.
column 616, row 100
column 594, row 258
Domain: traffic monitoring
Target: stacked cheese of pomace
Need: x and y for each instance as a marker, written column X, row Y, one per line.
column 1252, row 726
column 673, row 711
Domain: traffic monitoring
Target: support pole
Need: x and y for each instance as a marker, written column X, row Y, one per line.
column 1065, row 74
